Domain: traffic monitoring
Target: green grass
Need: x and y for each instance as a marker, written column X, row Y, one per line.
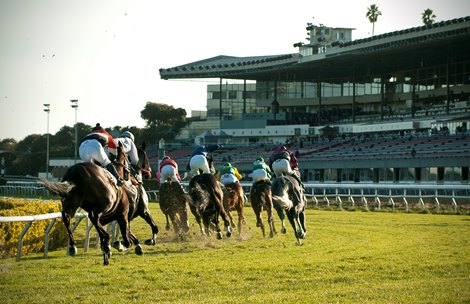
column 347, row 257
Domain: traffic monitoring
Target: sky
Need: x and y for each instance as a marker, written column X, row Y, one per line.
column 107, row 53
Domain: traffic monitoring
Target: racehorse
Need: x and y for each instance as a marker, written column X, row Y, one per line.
column 136, row 191
column 92, row 188
column 234, row 199
column 173, row 201
column 288, row 195
column 206, row 203
column 261, row 199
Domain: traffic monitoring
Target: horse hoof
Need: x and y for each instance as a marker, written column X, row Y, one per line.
column 106, row 249
column 300, row 234
column 219, row 235
column 117, row 245
column 72, row 251
column 284, row 230
column 167, row 227
column 228, row 234
column 138, row 250
column 150, row 242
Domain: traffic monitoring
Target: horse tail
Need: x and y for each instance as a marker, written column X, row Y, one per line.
column 280, row 193
column 62, row 189
column 199, row 196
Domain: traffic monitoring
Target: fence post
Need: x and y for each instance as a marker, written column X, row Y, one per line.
column 46, row 237
column 20, row 240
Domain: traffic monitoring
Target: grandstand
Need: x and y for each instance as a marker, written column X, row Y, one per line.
column 389, row 108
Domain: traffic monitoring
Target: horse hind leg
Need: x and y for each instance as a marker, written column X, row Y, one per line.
column 259, row 223
column 167, row 226
column 282, row 217
column 293, row 220
column 302, row 222
column 72, row 249
column 149, row 219
column 104, row 237
column 272, row 228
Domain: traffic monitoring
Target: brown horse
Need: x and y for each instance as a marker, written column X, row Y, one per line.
column 234, row 199
column 288, row 196
column 173, row 202
column 92, row 188
column 136, row 191
column 206, row 204
column 261, row 199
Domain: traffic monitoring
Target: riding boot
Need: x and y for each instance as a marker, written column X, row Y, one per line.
column 113, row 171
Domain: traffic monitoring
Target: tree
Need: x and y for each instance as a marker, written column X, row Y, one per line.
column 162, row 121
column 428, row 16
column 372, row 14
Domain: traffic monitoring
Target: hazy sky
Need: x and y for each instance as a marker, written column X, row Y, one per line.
column 107, row 53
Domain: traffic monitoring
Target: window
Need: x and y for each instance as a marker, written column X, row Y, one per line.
column 232, row 95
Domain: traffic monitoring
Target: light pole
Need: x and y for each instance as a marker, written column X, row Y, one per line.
column 47, row 109
column 75, row 106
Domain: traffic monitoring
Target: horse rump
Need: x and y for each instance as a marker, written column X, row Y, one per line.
column 261, row 199
column 234, row 199
column 206, row 203
column 173, row 201
column 288, row 196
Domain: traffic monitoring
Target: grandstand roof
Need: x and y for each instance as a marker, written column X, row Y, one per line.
column 379, row 54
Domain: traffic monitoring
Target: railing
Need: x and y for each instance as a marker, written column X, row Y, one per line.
column 355, row 193
column 390, row 192
column 30, row 219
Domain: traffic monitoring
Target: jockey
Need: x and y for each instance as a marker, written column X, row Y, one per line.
column 261, row 170
column 283, row 161
column 228, row 174
column 168, row 170
column 93, row 149
column 127, row 141
column 198, row 160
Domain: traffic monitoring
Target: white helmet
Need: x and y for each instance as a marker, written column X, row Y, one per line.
column 128, row 135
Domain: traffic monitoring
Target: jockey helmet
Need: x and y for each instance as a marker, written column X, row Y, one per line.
column 165, row 158
column 97, row 127
column 128, row 135
column 260, row 158
column 227, row 165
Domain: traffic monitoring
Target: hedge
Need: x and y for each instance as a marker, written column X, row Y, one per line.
column 33, row 241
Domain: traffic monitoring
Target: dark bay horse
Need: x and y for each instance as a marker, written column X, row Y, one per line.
column 261, row 199
column 173, row 203
column 288, row 196
column 91, row 187
column 136, row 192
column 206, row 204
column 234, row 199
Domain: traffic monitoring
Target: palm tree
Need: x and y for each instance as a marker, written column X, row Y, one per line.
column 372, row 14
column 428, row 16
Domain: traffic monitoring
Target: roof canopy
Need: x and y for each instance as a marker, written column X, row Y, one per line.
column 377, row 55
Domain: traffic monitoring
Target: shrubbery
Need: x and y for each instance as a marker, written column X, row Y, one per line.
column 33, row 241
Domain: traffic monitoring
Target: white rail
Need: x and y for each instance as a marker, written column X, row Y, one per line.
column 30, row 219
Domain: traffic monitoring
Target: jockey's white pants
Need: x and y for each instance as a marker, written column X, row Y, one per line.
column 198, row 162
column 281, row 167
column 259, row 174
column 91, row 150
column 168, row 172
column 228, row 178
